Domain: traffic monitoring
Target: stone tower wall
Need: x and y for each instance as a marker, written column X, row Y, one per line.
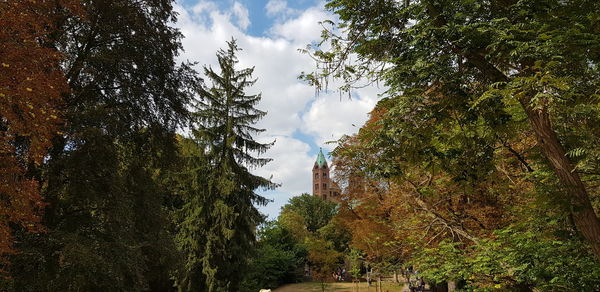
column 321, row 182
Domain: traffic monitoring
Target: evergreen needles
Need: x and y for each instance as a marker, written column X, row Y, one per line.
column 223, row 202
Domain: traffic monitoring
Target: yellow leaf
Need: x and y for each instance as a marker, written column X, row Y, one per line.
column 5, row 65
column 29, row 89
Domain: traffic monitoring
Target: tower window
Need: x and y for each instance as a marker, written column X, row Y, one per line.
column 324, row 186
column 324, row 174
column 316, row 186
column 317, row 175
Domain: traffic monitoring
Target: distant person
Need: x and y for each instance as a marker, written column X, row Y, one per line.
column 413, row 284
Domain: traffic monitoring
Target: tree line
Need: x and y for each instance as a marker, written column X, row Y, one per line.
column 122, row 169
column 305, row 243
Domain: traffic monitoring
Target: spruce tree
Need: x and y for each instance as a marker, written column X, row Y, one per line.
column 225, row 205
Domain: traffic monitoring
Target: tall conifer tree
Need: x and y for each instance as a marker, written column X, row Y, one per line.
column 225, row 205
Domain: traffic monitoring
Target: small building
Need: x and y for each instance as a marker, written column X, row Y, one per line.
column 323, row 185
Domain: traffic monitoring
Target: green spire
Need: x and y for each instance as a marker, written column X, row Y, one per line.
column 321, row 159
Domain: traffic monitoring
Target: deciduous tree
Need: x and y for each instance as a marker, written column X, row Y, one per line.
column 31, row 87
column 495, row 71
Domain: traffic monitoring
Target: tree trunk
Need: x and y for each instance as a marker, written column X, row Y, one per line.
column 451, row 286
column 440, row 287
column 584, row 217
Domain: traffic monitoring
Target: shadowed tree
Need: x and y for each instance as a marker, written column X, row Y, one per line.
column 103, row 176
column 31, row 84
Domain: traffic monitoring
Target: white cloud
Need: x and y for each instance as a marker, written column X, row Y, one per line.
column 291, row 104
column 330, row 117
column 203, row 6
column 279, row 9
column 275, row 7
column 292, row 167
column 303, row 29
column 241, row 14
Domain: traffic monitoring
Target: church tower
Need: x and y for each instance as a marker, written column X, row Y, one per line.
column 323, row 186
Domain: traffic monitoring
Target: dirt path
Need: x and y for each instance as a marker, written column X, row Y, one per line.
column 339, row 287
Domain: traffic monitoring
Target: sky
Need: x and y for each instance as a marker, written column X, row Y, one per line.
column 270, row 32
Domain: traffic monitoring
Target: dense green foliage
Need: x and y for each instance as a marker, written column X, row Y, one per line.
column 122, row 190
column 279, row 259
column 518, row 258
column 316, row 212
column 488, row 131
column 304, row 235
column 222, row 190
column 107, row 229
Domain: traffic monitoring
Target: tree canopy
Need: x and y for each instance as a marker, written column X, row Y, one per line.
column 31, row 88
column 488, row 127
column 103, row 96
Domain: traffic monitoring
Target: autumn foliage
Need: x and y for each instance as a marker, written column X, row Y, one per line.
column 31, row 84
column 396, row 202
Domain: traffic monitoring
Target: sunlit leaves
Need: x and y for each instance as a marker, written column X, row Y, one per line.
column 491, row 110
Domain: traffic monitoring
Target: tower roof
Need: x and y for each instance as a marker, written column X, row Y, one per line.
column 321, row 161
